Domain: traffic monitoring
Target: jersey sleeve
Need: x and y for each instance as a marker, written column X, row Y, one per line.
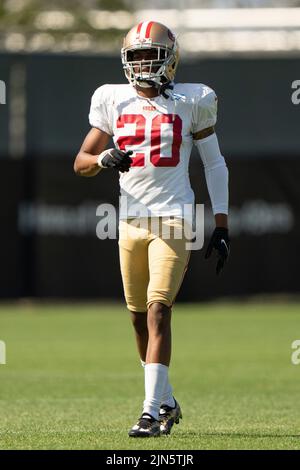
column 100, row 112
column 204, row 112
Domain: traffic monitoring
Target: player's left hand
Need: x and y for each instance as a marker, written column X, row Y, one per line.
column 221, row 243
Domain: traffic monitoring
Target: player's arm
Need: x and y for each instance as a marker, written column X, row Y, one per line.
column 92, row 157
column 213, row 160
column 216, row 174
column 86, row 161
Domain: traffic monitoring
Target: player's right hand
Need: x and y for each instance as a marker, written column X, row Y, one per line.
column 114, row 158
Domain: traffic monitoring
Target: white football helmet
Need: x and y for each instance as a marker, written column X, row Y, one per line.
column 158, row 66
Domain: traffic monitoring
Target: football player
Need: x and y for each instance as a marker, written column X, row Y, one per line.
column 154, row 122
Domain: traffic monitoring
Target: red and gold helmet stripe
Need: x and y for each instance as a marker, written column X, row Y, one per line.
column 144, row 29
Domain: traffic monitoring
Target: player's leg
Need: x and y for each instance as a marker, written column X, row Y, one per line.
column 169, row 404
column 168, row 260
column 155, row 371
column 133, row 252
column 159, row 331
column 139, row 321
column 169, row 409
column 158, row 357
column 167, row 264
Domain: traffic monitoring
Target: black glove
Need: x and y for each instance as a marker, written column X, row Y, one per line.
column 117, row 159
column 221, row 243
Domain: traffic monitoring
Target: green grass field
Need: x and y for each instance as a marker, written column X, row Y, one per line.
column 73, row 379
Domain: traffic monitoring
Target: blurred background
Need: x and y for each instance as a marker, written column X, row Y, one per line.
column 52, row 58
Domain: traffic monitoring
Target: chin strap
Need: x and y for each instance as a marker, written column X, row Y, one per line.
column 145, row 84
column 161, row 88
column 164, row 88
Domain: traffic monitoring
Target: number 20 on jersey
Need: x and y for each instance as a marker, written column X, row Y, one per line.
column 156, row 135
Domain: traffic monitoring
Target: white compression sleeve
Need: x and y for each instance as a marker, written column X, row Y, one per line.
column 216, row 172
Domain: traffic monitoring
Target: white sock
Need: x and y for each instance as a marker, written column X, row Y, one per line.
column 156, row 377
column 167, row 398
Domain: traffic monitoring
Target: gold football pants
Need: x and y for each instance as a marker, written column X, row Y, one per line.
column 153, row 259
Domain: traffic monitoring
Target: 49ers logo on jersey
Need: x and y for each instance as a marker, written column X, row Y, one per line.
column 156, row 134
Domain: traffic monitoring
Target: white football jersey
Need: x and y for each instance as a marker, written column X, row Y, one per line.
column 159, row 132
